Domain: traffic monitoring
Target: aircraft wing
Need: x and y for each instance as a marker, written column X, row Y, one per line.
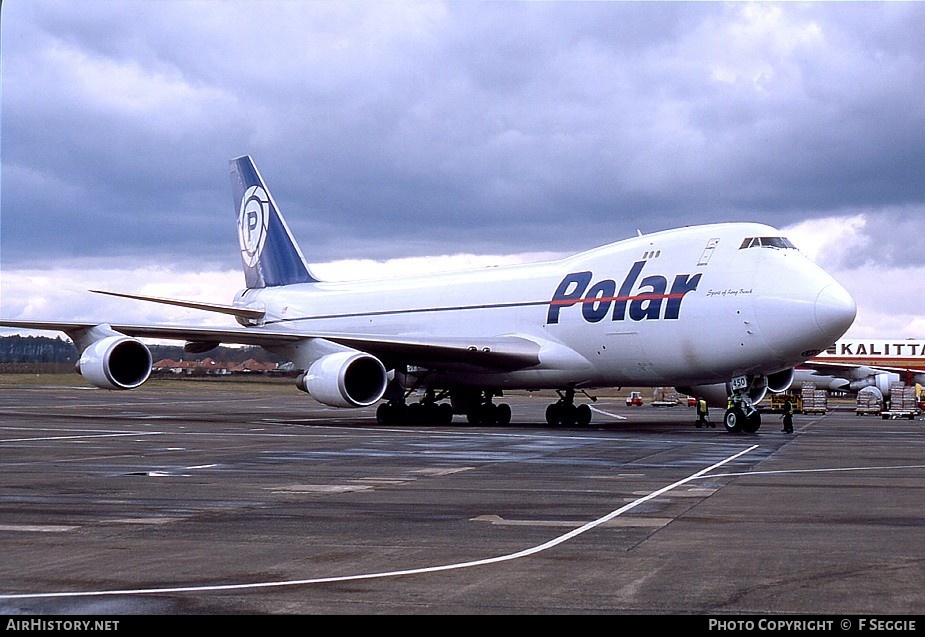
column 829, row 368
column 500, row 352
column 853, row 376
column 841, row 369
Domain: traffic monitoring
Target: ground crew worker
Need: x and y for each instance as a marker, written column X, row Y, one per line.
column 702, row 413
column 788, row 417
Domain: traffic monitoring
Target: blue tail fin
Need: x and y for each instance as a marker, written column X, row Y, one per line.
column 271, row 256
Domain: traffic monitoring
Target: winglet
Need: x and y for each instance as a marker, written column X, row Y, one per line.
column 270, row 255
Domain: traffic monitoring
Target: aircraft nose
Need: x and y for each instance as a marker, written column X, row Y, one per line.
column 804, row 310
column 834, row 311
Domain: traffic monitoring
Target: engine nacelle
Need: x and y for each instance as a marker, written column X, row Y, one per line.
column 780, row 381
column 875, row 396
column 881, row 381
column 116, row 362
column 345, row 379
column 717, row 395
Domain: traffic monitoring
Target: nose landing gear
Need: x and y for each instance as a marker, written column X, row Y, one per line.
column 741, row 414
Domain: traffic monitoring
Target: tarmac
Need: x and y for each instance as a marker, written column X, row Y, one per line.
column 187, row 499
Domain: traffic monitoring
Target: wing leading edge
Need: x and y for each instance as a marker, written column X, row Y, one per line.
column 498, row 353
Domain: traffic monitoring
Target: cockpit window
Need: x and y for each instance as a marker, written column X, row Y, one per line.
column 767, row 242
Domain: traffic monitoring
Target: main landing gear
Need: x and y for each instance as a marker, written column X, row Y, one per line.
column 565, row 413
column 477, row 405
column 427, row 411
column 484, row 412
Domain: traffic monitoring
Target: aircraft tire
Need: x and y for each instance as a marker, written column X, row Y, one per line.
column 583, row 415
column 503, row 414
column 388, row 414
column 752, row 423
column 484, row 414
column 733, row 420
column 560, row 415
column 552, row 414
column 568, row 415
column 416, row 414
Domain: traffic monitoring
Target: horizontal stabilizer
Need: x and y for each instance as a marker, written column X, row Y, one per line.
column 240, row 312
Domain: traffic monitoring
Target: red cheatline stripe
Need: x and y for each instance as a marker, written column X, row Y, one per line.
column 609, row 299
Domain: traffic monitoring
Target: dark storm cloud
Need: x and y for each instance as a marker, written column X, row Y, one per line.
column 394, row 129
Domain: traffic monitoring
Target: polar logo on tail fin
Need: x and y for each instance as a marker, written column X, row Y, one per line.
column 269, row 253
column 253, row 222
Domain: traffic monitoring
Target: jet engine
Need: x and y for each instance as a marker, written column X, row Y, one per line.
column 345, row 379
column 881, row 381
column 780, row 381
column 115, row 362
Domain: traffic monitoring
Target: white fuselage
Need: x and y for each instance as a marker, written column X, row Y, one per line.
column 671, row 308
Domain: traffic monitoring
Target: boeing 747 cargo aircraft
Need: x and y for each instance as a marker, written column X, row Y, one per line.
column 725, row 311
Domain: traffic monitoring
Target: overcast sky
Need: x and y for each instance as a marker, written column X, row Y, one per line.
column 476, row 132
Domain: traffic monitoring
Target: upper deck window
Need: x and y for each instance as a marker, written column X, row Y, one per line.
column 766, row 242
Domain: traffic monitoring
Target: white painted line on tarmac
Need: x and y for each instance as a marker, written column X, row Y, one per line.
column 607, row 413
column 37, row 528
column 829, row 470
column 412, row 571
column 84, row 436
